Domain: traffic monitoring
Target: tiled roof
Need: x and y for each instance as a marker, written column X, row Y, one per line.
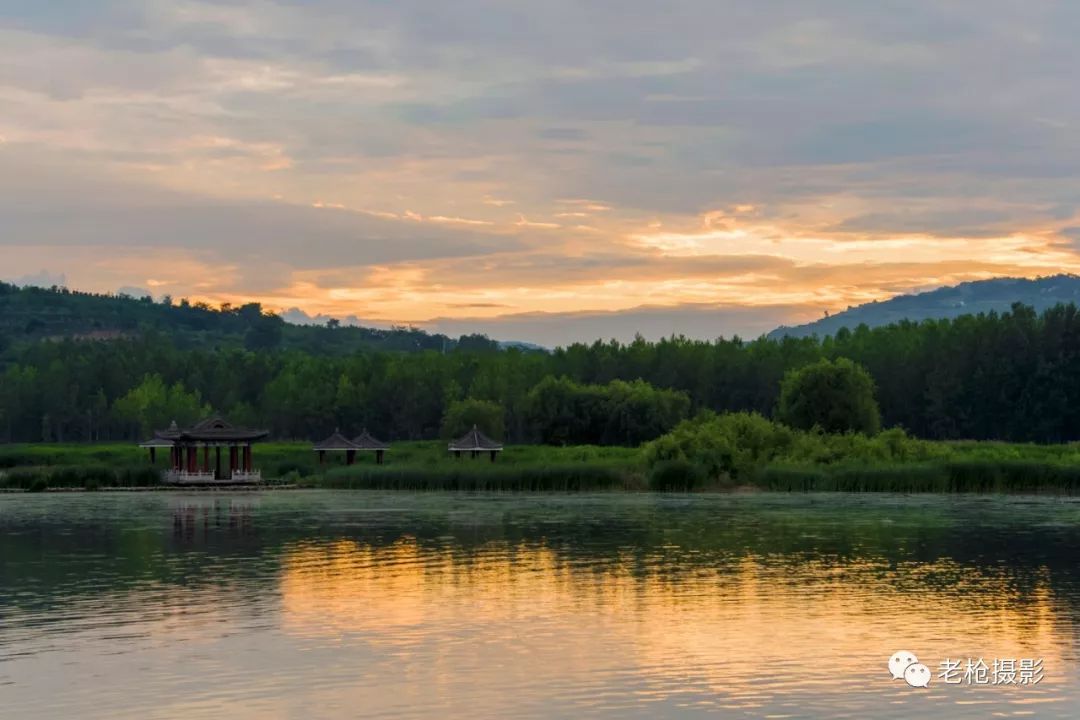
column 474, row 440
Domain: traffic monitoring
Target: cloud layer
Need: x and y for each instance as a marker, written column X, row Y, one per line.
column 520, row 167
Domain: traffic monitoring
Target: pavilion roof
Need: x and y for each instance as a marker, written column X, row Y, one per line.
column 474, row 440
column 337, row 441
column 156, row 442
column 367, row 441
column 213, row 429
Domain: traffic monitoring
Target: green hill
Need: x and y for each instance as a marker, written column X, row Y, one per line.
column 32, row 314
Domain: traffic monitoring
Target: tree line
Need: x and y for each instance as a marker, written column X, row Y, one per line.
column 1011, row 376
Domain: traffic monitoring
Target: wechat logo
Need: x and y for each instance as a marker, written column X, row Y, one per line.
column 903, row 665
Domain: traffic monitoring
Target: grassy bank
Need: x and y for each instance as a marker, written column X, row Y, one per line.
column 409, row 466
column 709, row 453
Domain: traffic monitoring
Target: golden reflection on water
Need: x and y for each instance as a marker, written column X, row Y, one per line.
column 746, row 629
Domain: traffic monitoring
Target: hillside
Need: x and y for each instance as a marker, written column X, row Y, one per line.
column 968, row 298
column 32, row 314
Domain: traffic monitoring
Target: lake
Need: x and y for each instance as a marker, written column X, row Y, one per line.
column 310, row 604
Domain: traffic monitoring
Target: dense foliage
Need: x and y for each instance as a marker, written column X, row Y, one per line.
column 462, row 415
column 29, row 314
column 563, row 412
column 736, row 449
column 1014, row 376
column 836, row 396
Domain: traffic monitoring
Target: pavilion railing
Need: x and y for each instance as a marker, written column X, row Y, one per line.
column 183, row 476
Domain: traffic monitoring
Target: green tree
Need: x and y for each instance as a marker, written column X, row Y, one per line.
column 836, row 396
column 265, row 333
column 461, row 415
column 152, row 405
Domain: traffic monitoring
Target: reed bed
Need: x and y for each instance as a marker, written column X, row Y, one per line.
column 976, row 476
column 557, row 478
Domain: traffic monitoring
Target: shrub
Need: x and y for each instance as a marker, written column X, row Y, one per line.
column 735, row 445
column 675, row 476
column 836, row 396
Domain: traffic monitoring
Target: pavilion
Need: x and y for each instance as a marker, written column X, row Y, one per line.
column 475, row 442
column 365, row 441
column 337, row 443
column 184, row 457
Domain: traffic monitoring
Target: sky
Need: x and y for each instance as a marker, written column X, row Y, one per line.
column 548, row 171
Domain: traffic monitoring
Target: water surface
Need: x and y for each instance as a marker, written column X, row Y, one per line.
column 345, row 605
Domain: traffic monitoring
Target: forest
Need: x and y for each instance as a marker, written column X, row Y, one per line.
column 1011, row 376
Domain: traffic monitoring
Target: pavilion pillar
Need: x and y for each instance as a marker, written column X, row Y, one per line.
column 206, row 458
column 457, row 454
column 322, row 457
column 192, row 458
column 492, row 456
column 232, row 459
column 153, row 454
column 350, row 457
column 247, row 458
column 475, row 454
column 378, row 457
column 217, row 462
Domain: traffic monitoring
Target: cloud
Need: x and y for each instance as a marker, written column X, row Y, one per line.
column 41, row 278
column 358, row 157
column 692, row 320
column 135, row 292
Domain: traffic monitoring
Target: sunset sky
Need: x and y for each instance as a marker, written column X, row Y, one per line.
column 539, row 170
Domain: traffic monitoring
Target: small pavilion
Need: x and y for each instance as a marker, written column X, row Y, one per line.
column 475, row 442
column 366, row 441
column 185, row 444
column 337, row 443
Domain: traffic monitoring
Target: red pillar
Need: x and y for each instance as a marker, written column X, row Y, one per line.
column 232, row 459
column 206, row 458
column 247, row 458
column 192, row 458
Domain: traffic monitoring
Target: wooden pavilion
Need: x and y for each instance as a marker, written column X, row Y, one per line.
column 367, row 441
column 337, row 443
column 475, row 442
column 364, row 442
column 187, row 465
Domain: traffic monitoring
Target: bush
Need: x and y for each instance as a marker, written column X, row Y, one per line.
column 732, row 446
column 675, row 476
column 836, row 396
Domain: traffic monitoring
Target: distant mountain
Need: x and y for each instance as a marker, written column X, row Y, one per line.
column 34, row 314
column 948, row 302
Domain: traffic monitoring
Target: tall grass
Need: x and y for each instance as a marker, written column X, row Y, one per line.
column 552, row 478
column 87, row 477
column 993, row 476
